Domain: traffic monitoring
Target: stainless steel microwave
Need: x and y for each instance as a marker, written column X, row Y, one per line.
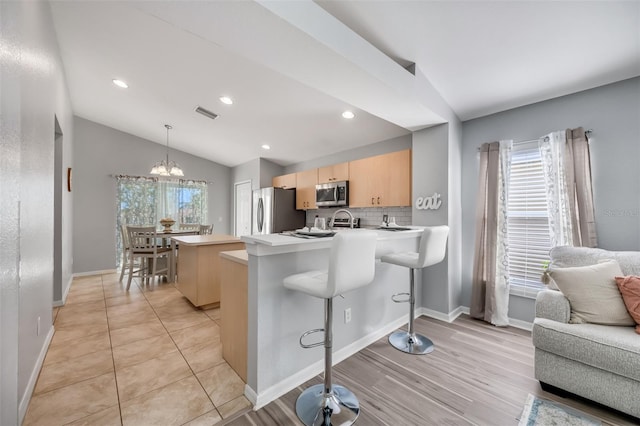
column 332, row 194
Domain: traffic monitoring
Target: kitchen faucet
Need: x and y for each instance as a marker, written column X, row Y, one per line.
column 351, row 218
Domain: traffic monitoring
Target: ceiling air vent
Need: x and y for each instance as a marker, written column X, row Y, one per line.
column 206, row 113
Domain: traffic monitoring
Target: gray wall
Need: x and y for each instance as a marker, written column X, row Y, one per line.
column 613, row 112
column 99, row 153
column 378, row 148
column 430, row 170
column 33, row 93
column 259, row 171
column 268, row 170
column 247, row 171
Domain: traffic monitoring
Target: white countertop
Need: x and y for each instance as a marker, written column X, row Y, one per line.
column 260, row 245
column 206, row 240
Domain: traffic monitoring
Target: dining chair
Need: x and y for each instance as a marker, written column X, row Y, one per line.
column 189, row 227
column 206, row 229
column 143, row 246
column 126, row 246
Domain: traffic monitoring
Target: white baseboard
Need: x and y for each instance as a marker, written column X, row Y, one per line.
column 450, row 317
column 26, row 397
column 274, row 392
column 524, row 325
column 86, row 274
column 58, row 303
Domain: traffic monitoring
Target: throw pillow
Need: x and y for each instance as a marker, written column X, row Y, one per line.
column 630, row 288
column 593, row 294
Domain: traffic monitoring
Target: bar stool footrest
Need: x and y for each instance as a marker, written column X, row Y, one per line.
column 307, row 333
column 395, row 298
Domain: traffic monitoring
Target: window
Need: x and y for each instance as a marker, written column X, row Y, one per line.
column 144, row 201
column 527, row 221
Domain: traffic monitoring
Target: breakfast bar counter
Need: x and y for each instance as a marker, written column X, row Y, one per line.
column 277, row 317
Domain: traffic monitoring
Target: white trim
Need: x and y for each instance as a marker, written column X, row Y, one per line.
column 58, row 303
column 251, row 395
column 235, row 205
column 274, row 392
column 450, row 317
column 87, row 274
column 513, row 322
column 524, row 325
column 28, row 392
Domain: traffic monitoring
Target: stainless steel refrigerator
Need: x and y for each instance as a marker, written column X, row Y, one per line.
column 274, row 211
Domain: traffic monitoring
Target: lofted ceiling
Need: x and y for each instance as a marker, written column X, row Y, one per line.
column 292, row 67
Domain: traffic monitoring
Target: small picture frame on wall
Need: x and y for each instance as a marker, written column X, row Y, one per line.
column 68, row 179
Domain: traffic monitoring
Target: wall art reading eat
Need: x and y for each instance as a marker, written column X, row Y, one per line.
column 429, row 203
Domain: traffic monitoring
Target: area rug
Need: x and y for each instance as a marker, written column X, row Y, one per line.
column 542, row 412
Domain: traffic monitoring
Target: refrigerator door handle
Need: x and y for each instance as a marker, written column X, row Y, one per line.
column 260, row 215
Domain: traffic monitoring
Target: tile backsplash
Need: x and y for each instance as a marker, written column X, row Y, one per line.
column 369, row 217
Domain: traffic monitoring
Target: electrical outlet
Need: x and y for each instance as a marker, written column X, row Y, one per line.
column 38, row 327
column 347, row 315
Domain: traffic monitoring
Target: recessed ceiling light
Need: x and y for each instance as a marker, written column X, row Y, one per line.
column 266, row 147
column 120, row 83
column 348, row 115
column 226, row 100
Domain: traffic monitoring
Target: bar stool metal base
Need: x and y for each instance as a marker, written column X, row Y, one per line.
column 340, row 407
column 415, row 344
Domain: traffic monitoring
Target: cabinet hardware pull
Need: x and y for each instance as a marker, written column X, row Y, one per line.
column 378, row 200
column 372, row 202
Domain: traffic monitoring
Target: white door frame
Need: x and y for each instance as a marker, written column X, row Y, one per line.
column 235, row 203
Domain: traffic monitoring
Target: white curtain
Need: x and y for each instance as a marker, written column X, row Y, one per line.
column 167, row 201
column 500, row 315
column 490, row 288
column 552, row 150
column 566, row 160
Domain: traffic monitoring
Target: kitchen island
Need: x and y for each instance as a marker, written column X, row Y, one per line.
column 277, row 317
column 199, row 266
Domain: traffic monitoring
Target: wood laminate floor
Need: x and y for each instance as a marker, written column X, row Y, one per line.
column 477, row 375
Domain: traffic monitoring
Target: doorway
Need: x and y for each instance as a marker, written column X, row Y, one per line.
column 242, row 208
column 58, row 187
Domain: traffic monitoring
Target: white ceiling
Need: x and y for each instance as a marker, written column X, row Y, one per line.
column 292, row 68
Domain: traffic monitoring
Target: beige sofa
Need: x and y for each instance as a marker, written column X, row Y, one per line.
column 597, row 362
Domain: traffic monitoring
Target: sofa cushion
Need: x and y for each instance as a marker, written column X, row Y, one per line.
column 629, row 286
column 565, row 256
column 614, row 349
column 593, row 293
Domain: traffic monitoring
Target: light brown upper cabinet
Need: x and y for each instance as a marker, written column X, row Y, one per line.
column 335, row 173
column 381, row 181
column 284, row 181
column 306, row 189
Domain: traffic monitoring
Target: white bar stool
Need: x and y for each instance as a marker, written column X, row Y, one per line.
column 433, row 244
column 351, row 266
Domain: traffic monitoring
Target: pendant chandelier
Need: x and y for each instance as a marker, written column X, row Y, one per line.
column 166, row 167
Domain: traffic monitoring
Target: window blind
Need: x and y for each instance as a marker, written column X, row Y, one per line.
column 527, row 221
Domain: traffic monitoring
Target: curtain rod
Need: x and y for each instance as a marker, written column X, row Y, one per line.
column 586, row 132
column 159, row 179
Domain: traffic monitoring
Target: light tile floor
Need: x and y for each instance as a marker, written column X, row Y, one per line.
column 140, row 357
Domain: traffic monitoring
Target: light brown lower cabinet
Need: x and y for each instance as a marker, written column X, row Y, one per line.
column 199, row 266
column 233, row 309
